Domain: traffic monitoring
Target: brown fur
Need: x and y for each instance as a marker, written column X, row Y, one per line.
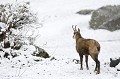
column 87, row 47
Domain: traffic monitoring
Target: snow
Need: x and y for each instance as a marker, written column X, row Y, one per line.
column 57, row 18
column 3, row 27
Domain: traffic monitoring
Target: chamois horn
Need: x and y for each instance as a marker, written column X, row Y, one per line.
column 74, row 29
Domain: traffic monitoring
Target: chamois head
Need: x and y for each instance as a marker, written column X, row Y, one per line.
column 76, row 33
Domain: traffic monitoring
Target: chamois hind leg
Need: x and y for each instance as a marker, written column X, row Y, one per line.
column 97, row 65
column 86, row 60
column 95, row 58
column 81, row 62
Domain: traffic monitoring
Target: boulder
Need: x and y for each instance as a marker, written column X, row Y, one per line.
column 40, row 53
column 6, row 44
column 114, row 62
column 17, row 45
column 85, row 12
column 107, row 17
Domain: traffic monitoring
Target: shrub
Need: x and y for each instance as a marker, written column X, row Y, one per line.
column 14, row 17
column 15, row 21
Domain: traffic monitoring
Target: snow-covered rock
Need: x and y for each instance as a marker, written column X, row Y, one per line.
column 106, row 17
column 114, row 62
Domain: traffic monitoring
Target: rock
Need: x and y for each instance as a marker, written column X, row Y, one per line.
column 40, row 53
column 76, row 61
column 6, row 55
column 6, row 44
column 53, row 58
column 107, row 17
column 113, row 24
column 118, row 67
column 17, row 45
column 114, row 62
column 85, row 12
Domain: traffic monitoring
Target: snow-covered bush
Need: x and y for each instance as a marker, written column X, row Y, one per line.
column 14, row 17
column 3, row 28
column 16, row 20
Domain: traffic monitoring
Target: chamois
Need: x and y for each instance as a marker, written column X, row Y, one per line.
column 87, row 47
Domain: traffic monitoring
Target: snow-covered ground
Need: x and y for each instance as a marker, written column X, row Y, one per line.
column 57, row 17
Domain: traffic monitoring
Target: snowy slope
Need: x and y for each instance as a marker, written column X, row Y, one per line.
column 57, row 17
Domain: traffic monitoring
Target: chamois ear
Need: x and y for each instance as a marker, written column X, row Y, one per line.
column 78, row 30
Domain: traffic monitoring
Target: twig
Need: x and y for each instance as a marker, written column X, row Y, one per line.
column 22, row 73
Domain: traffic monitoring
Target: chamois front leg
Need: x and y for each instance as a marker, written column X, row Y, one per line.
column 81, row 61
column 86, row 60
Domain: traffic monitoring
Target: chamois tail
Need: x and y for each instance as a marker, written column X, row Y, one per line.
column 98, row 46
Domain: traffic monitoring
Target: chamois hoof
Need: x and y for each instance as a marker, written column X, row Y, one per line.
column 81, row 68
column 97, row 72
column 87, row 68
